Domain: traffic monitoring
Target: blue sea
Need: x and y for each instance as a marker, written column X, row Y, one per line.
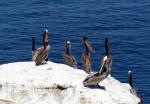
column 126, row 23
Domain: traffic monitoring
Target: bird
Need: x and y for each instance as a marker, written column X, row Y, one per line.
column 86, row 57
column 133, row 89
column 41, row 54
column 109, row 57
column 68, row 58
column 94, row 79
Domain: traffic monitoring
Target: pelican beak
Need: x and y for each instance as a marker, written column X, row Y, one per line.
column 89, row 46
column 33, row 43
column 106, row 46
column 130, row 78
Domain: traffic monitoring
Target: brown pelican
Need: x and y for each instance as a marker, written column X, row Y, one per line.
column 106, row 63
column 133, row 89
column 94, row 79
column 70, row 60
column 108, row 56
column 41, row 54
column 86, row 57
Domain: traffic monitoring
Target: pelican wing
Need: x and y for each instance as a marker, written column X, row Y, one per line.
column 41, row 55
column 94, row 79
column 109, row 62
column 103, row 68
column 70, row 60
column 102, row 61
column 86, row 62
column 105, row 65
column 36, row 53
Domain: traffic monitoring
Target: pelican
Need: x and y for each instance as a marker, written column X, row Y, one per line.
column 133, row 89
column 108, row 56
column 70, row 60
column 94, row 79
column 106, row 63
column 41, row 54
column 86, row 57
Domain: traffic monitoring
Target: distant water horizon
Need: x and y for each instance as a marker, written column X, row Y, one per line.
column 125, row 23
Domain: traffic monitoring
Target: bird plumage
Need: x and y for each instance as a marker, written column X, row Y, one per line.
column 41, row 54
column 68, row 58
column 106, row 63
column 107, row 54
column 86, row 57
column 95, row 78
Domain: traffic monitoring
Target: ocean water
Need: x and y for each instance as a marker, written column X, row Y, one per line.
column 125, row 23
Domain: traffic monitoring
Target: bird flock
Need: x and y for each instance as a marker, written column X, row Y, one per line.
column 40, row 56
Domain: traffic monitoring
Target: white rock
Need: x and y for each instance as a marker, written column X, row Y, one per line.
column 53, row 83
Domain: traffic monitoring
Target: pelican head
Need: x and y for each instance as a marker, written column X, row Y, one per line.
column 67, row 42
column 45, row 37
column 86, row 43
column 33, row 43
column 84, row 39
